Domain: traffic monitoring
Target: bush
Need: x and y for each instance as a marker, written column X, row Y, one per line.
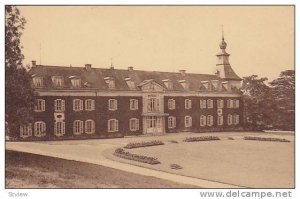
column 173, row 141
column 119, row 152
column 143, row 144
column 230, row 138
column 266, row 139
column 175, row 166
column 203, row 138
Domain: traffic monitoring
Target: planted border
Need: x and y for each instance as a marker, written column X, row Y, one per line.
column 119, row 152
column 202, row 138
column 266, row 139
column 133, row 145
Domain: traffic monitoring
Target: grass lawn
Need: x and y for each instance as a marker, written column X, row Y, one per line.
column 255, row 164
column 24, row 170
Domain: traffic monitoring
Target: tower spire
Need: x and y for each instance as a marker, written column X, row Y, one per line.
column 222, row 33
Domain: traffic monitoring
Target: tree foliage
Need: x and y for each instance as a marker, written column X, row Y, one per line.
column 19, row 96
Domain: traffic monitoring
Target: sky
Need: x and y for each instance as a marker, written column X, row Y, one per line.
column 260, row 39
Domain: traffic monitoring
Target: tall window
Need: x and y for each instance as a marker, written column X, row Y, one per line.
column 26, row 131
column 113, row 125
column 202, row 120
column 58, row 81
column 59, row 105
column 210, row 120
column 202, row 103
column 229, row 119
column 229, row 103
column 236, row 103
column 112, row 104
column 171, row 122
column 236, row 119
column 76, row 82
column 153, row 103
column 220, row 120
column 39, row 129
column 188, row 104
column 171, row 104
column 220, row 103
column 77, row 127
column 37, row 82
column 89, row 126
column 77, row 105
column 40, row 105
column 89, row 104
column 134, row 124
column 187, row 121
column 59, row 128
column 210, row 103
column 134, row 104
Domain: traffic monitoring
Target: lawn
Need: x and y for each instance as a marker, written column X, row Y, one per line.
column 255, row 164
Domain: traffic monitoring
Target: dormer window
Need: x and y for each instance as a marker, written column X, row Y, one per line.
column 58, row 81
column 184, row 84
column 37, row 82
column 110, row 82
column 130, row 83
column 76, row 81
column 168, row 83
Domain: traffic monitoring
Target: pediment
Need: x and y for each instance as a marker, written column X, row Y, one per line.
column 151, row 85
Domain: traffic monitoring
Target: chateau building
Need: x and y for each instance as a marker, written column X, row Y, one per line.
column 88, row 102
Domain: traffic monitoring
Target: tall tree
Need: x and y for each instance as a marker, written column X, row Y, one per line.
column 284, row 92
column 19, row 95
column 259, row 103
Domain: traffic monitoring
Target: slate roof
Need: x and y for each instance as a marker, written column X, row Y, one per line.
column 95, row 77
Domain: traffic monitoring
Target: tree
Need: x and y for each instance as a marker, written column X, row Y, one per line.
column 259, row 103
column 19, row 95
column 284, row 92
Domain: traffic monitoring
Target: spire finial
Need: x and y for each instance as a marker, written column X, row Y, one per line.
column 222, row 33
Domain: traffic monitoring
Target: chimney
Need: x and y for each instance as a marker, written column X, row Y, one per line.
column 130, row 68
column 182, row 72
column 88, row 67
column 33, row 63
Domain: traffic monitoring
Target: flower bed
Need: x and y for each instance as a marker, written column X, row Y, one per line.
column 143, row 144
column 119, row 152
column 266, row 139
column 203, row 138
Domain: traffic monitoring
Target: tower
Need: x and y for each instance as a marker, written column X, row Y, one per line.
column 224, row 69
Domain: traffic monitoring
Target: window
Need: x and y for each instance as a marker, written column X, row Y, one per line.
column 77, row 127
column 188, row 104
column 236, row 119
column 77, row 105
column 112, row 104
column 130, row 83
column 153, row 103
column 229, row 119
column 134, row 104
column 187, row 121
column 184, row 84
column 76, row 82
column 58, row 81
column 40, row 105
column 89, row 105
column 236, row 104
column 59, row 128
column 220, row 120
column 89, row 126
column 230, row 103
column 134, row 124
column 220, row 103
column 26, row 131
column 113, row 125
column 202, row 103
column 202, row 120
column 210, row 103
column 110, row 82
column 39, row 129
column 37, row 82
column 59, row 105
column 210, row 120
column 171, row 104
column 168, row 83
column 171, row 122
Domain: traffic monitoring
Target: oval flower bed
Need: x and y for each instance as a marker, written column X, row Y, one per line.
column 203, row 138
column 119, row 152
column 266, row 139
column 143, row 144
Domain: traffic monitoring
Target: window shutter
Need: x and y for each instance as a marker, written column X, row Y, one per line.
column 117, row 125
column 55, row 128
column 63, row 128
column 237, row 103
column 137, row 124
column 116, row 104
column 63, row 105
column 93, row 104
column 43, row 105
column 55, row 105
column 93, row 126
column 81, row 105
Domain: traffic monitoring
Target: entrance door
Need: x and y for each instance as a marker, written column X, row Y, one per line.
column 153, row 125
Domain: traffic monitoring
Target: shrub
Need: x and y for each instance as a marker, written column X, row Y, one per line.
column 119, row 152
column 173, row 141
column 203, row 138
column 143, row 144
column 266, row 139
column 230, row 138
column 175, row 166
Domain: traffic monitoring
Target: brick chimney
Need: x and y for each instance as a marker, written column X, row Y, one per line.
column 130, row 68
column 182, row 72
column 33, row 63
column 88, row 67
